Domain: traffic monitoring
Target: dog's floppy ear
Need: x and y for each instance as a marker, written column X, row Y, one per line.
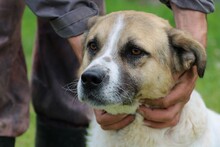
column 187, row 52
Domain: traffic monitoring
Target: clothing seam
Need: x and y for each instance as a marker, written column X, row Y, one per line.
column 64, row 27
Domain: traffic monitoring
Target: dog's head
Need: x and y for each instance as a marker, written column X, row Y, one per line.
column 132, row 55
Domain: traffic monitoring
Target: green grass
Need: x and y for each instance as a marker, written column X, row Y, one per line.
column 208, row 86
column 28, row 38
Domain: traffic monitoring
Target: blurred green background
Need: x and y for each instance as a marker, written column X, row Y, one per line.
column 208, row 86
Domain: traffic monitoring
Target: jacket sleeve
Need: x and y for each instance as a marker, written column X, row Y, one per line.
column 205, row 6
column 67, row 17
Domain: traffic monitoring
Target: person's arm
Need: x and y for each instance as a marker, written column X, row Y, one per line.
column 204, row 6
column 191, row 21
column 76, row 44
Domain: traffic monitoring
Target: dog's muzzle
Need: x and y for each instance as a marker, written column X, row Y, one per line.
column 100, row 86
column 92, row 85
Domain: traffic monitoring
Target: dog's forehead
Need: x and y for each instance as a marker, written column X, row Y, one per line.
column 130, row 19
column 143, row 27
column 115, row 30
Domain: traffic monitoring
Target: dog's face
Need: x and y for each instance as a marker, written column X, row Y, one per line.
column 130, row 56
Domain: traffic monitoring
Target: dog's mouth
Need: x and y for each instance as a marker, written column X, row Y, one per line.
column 113, row 102
column 101, row 97
column 94, row 100
column 99, row 89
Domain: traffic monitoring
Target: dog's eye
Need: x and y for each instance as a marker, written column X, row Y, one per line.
column 132, row 50
column 136, row 51
column 92, row 47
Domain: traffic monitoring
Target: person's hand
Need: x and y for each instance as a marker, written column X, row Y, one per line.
column 171, row 105
column 112, row 122
column 77, row 46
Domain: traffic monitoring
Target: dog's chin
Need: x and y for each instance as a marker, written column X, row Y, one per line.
column 94, row 101
column 121, row 109
column 112, row 107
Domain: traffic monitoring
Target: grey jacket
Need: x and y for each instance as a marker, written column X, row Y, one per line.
column 69, row 17
column 205, row 6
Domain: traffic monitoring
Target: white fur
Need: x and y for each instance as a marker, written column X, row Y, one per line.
column 198, row 127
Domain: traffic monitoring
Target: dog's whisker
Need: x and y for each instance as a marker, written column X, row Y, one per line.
column 124, row 94
column 71, row 88
column 71, row 85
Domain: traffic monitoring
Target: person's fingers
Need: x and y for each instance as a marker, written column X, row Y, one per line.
column 160, row 115
column 119, row 125
column 105, row 118
column 112, row 122
column 160, row 125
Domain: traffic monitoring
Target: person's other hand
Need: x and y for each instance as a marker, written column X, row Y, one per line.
column 112, row 122
column 169, row 108
column 77, row 46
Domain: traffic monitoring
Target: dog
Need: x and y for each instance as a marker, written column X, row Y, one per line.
column 129, row 56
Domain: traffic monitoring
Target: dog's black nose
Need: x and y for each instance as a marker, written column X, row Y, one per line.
column 92, row 77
